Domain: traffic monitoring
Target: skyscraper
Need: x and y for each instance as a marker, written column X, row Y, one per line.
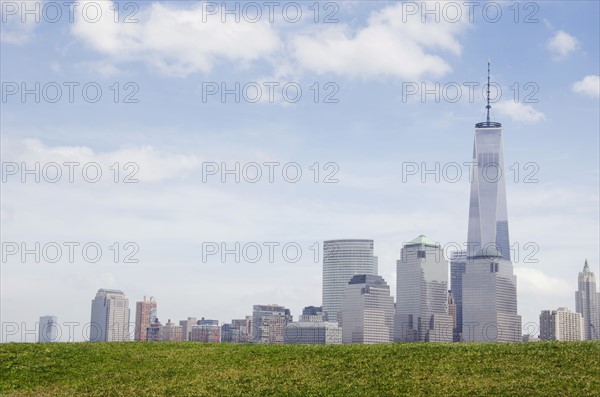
column 186, row 327
column 587, row 302
column 145, row 313
column 488, row 219
column 422, row 293
column 458, row 264
column 489, row 286
column 48, row 331
column 110, row 316
column 170, row 332
column 342, row 259
column 490, row 299
column 367, row 310
column 561, row 324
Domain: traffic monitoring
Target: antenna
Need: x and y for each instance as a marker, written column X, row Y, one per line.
column 488, row 107
column 488, row 123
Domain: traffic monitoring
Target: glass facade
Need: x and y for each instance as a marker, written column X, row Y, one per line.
column 488, row 220
column 489, row 294
column 367, row 310
column 458, row 264
column 342, row 259
column 422, row 294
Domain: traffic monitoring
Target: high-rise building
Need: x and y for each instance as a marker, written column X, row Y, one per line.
column 110, row 316
column 367, row 310
column 489, row 286
column 145, row 313
column 48, row 329
column 311, row 332
column 311, row 314
column 488, row 219
column 561, row 324
column 238, row 331
column 268, row 323
column 186, row 327
column 458, row 264
column 153, row 331
column 490, row 299
column 206, row 331
column 587, row 302
column 170, row 332
column 452, row 314
column 342, row 259
column 422, row 293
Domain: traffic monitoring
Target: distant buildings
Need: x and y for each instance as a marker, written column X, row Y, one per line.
column 561, row 324
column 489, row 293
column 145, row 313
column 186, row 327
column 422, row 293
column 170, row 332
column 311, row 314
column 110, row 316
column 269, row 322
column 48, row 329
column 153, row 331
column 587, row 302
column 367, row 310
column 310, row 332
column 342, row 259
column 452, row 314
column 238, row 331
column 206, row 331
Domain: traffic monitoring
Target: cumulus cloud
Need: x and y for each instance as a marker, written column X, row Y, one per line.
column 539, row 283
column 390, row 45
column 589, row 85
column 519, row 112
column 562, row 44
column 150, row 164
column 177, row 41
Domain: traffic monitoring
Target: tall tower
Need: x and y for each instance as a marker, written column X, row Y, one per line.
column 488, row 293
column 422, row 293
column 342, row 259
column 587, row 302
column 110, row 316
column 145, row 313
column 488, row 220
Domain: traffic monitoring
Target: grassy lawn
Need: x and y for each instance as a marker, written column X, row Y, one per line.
column 197, row 369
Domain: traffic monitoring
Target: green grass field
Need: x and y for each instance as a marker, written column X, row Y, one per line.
column 197, row 369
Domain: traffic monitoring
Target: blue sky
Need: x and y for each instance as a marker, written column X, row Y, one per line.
column 369, row 58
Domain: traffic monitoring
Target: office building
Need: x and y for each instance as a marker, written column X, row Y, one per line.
column 48, row 329
column 145, row 313
column 170, row 332
column 268, row 323
column 311, row 314
column 367, row 310
column 422, row 293
column 587, row 302
column 490, row 299
column 458, row 264
column 311, row 332
column 110, row 317
column 561, row 324
column 342, row 259
column 206, row 331
column 186, row 327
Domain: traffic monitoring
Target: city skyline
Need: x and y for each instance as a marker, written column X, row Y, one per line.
column 385, row 155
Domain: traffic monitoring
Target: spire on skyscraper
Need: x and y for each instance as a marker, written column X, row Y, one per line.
column 488, row 123
column 586, row 267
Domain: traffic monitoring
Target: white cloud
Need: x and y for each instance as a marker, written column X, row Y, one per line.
column 589, row 85
column 518, row 111
column 562, row 44
column 154, row 165
column 177, row 41
column 386, row 46
column 18, row 28
column 539, row 283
